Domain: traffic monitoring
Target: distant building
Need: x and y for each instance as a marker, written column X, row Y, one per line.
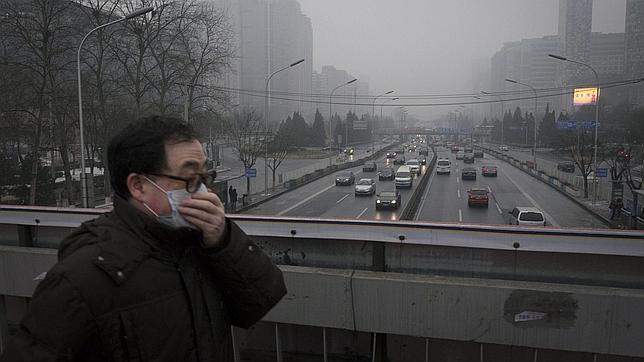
column 634, row 57
column 525, row 61
column 271, row 34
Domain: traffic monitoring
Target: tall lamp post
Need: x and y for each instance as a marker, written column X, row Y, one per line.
column 502, row 114
column 559, row 57
column 534, row 146
column 267, row 111
column 83, row 178
column 330, row 106
column 373, row 116
column 383, row 103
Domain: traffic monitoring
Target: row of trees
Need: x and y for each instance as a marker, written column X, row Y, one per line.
column 621, row 132
column 160, row 63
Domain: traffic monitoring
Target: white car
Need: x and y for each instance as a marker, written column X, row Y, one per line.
column 365, row 186
column 460, row 155
column 414, row 166
column 527, row 216
column 443, row 166
column 403, row 177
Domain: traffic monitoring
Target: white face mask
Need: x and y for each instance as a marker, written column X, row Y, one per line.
column 175, row 219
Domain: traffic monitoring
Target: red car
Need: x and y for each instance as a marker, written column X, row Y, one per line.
column 477, row 197
column 488, row 171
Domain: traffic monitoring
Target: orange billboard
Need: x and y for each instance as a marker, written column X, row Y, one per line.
column 585, row 96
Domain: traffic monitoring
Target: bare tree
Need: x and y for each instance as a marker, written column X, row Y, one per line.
column 40, row 35
column 207, row 50
column 246, row 133
column 581, row 150
column 277, row 150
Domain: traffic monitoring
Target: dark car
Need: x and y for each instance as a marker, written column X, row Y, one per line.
column 369, row 167
column 455, row 149
column 423, row 161
column 424, row 152
column 488, row 170
column 388, row 200
column 468, row 158
column 468, row 173
column 345, row 178
column 468, row 149
column 387, row 173
column 399, row 160
column 566, row 166
column 477, row 197
column 478, row 154
column 391, row 154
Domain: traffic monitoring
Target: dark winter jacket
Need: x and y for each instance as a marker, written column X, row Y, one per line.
column 127, row 288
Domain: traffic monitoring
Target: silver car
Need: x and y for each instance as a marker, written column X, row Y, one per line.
column 365, row 186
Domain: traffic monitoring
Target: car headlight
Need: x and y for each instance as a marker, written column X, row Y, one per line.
column 393, row 202
column 377, row 201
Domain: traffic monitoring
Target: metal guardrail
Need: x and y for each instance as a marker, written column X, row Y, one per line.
column 428, row 280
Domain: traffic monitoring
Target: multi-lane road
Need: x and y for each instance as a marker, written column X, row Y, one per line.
column 444, row 200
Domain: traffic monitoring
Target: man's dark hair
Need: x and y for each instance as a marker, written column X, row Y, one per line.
column 140, row 148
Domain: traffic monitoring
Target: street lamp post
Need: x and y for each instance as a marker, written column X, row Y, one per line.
column 83, row 178
column 383, row 103
column 502, row 114
column 558, row 57
column 330, row 106
column 534, row 146
column 373, row 116
column 267, row 111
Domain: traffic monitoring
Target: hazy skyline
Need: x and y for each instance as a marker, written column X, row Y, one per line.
column 421, row 46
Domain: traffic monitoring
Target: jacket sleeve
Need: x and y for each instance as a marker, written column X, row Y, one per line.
column 55, row 327
column 252, row 285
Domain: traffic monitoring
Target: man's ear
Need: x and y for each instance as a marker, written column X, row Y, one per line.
column 134, row 184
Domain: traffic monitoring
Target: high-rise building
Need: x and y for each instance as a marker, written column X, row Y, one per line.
column 271, row 34
column 575, row 26
column 525, row 61
column 607, row 53
column 634, row 57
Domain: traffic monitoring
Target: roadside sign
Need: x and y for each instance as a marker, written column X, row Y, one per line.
column 602, row 172
column 574, row 124
column 251, row 172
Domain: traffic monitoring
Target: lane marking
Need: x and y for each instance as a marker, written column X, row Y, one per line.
column 460, row 215
column 362, row 213
column 342, row 199
column 458, row 192
column 496, row 203
column 457, row 177
column 305, row 200
column 534, row 203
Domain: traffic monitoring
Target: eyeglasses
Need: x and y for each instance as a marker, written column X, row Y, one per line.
column 193, row 182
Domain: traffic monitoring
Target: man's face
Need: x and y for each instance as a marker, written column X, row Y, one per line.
column 184, row 159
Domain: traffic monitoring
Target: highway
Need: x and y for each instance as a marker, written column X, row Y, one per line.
column 444, row 200
column 322, row 199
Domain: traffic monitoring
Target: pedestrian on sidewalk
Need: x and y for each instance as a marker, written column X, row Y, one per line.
column 234, row 199
column 615, row 207
column 230, row 197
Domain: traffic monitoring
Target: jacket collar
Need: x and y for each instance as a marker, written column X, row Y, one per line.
column 138, row 237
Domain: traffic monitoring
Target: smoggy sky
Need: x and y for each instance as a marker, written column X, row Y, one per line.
column 427, row 46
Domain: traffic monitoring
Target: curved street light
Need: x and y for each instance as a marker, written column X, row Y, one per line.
column 267, row 112
column 330, row 106
column 83, row 178
column 559, row 57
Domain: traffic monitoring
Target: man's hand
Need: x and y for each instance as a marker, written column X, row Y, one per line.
column 205, row 211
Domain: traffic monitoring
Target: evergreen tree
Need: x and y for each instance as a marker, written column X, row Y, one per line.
column 318, row 133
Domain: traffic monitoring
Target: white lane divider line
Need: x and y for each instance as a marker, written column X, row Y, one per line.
column 496, row 203
column 300, row 203
column 362, row 213
column 549, row 218
column 458, row 192
column 457, row 179
column 342, row 199
column 460, row 215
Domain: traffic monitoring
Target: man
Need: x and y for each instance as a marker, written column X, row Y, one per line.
column 235, row 196
column 231, row 198
column 160, row 278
